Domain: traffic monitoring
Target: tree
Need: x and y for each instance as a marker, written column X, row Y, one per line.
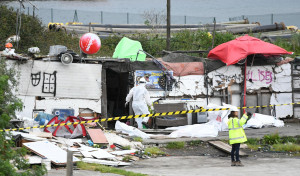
column 11, row 160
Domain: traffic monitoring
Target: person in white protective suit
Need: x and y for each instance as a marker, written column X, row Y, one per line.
column 141, row 99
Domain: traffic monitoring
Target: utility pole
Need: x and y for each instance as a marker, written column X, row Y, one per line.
column 168, row 24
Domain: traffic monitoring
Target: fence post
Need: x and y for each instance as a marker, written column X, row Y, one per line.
column 156, row 19
column 69, row 163
column 28, row 11
column 272, row 18
column 184, row 19
column 52, row 15
column 127, row 18
column 101, row 17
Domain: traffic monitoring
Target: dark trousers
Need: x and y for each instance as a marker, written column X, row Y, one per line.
column 235, row 151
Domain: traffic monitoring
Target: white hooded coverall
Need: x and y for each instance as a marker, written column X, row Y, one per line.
column 141, row 99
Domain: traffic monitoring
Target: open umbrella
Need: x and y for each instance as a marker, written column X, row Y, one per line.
column 233, row 51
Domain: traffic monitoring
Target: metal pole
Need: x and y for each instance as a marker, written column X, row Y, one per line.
column 156, row 19
column 168, row 24
column 214, row 33
column 52, row 15
column 69, row 163
column 127, row 18
column 101, row 17
column 90, row 25
column 33, row 14
column 272, row 18
column 28, row 11
column 185, row 19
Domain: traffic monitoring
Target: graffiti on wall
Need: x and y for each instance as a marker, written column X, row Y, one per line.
column 49, row 81
column 35, row 78
column 259, row 75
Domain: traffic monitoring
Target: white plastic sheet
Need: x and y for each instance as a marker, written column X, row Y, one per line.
column 131, row 131
column 260, row 120
column 197, row 130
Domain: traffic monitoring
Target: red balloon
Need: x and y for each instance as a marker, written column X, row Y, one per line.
column 90, row 43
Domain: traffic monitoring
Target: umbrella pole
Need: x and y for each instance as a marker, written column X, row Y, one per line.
column 245, row 84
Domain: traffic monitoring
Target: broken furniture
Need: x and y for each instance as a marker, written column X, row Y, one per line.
column 170, row 121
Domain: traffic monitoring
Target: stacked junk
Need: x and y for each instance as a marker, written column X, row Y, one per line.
column 91, row 143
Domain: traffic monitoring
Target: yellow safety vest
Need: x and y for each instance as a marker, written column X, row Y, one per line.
column 236, row 131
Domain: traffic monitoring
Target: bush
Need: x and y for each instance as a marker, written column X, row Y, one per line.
column 11, row 159
column 271, row 139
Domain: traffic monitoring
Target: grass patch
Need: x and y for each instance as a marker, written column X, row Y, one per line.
column 195, row 143
column 175, row 145
column 138, row 139
column 253, row 147
column 154, row 151
column 286, row 147
column 127, row 158
column 252, row 141
column 127, row 147
column 106, row 169
column 271, row 139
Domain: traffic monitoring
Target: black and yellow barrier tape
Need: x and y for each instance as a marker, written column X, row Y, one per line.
column 142, row 116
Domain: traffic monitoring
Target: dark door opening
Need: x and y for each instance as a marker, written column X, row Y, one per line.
column 117, row 89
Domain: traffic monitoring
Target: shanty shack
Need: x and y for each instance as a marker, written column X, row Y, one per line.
column 98, row 87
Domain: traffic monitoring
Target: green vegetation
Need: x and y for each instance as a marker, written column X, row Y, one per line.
column 32, row 33
column 288, row 147
column 154, row 151
column 12, row 160
column 127, row 147
column 175, row 145
column 274, row 142
column 138, row 139
column 106, row 169
column 271, row 139
column 194, row 143
column 127, row 158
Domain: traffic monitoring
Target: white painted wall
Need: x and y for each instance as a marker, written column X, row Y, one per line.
column 76, row 80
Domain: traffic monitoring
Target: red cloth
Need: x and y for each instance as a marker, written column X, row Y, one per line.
column 185, row 68
column 233, row 51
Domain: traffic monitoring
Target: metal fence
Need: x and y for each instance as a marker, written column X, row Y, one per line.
column 287, row 18
column 102, row 17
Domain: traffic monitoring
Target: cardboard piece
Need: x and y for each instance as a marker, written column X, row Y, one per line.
column 224, row 147
column 97, row 136
column 46, row 149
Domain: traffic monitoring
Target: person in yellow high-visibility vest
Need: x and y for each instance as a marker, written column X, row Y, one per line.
column 236, row 134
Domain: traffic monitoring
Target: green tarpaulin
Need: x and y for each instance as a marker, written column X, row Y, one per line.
column 128, row 48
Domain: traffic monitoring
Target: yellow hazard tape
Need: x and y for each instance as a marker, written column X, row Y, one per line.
column 144, row 115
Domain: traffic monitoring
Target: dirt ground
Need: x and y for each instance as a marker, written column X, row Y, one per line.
column 205, row 149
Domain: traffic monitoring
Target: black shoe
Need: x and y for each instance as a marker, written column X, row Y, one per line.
column 146, row 124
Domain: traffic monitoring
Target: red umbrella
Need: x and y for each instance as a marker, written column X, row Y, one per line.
column 233, row 51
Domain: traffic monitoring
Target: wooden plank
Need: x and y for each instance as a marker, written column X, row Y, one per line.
column 224, row 147
column 97, row 136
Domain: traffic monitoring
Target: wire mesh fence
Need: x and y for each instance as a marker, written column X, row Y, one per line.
column 287, row 18
column 102, row 17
